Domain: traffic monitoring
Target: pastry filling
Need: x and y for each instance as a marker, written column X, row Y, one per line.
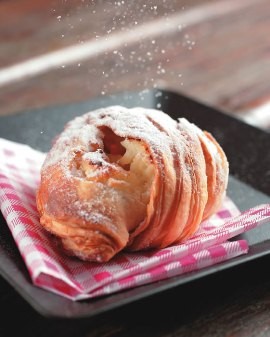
column 125, row 169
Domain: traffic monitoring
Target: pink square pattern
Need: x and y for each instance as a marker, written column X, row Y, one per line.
column 50, row 269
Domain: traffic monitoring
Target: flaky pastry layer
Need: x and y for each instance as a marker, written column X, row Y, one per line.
column 132, row 179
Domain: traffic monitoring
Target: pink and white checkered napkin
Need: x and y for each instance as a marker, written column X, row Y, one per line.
column 74, row 279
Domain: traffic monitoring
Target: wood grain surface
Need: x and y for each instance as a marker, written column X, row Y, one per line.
column 59, row 52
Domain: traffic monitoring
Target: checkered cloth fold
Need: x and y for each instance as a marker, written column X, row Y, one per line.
column 50, row 269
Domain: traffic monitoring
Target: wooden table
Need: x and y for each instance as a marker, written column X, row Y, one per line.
column 217, row 52
column 59, row 52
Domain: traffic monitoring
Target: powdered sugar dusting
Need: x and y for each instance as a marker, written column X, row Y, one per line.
column 124, row 122
column 83, row 134
column 77, row 136
column 100, row 158
column 195, row 130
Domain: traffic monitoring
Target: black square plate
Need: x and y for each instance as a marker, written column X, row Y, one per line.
column 247, row 149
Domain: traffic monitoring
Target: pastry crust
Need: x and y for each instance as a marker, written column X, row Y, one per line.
column 133, row 179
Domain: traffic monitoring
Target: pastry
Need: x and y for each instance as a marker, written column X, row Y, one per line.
column 132, row 179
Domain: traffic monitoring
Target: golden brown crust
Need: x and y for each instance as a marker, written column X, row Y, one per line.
column 133, row 179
